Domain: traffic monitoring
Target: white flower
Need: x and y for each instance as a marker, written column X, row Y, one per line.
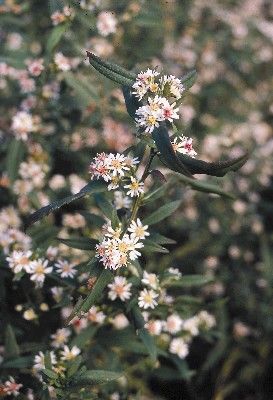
column 121, row 201
column 79, row 323
column 146, row 299
column 183, row 145
column 119, row 289
column 206, row 320
column 38, row 270
column 62, row 62
column 191, row 325
column 22, row 124
column 150, row 280
column 57, row 293
column 173, row 324
column 171, row 84
column 19, row 260
column 154, row 327
column 145, row 83
column 35, row 67
column 60, row 337
column 120, row 321
column 138, row 230
column 96, row 316
column 69, row 354
column 179, row 347
column 65, row 269
column 175, row 271
column 135, row 187
column 10, row 387
column 169, row 111
column 29, row 314
column 106, row 23
column 39, row 360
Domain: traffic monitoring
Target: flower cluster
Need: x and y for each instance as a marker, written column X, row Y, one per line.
column 159, row 95
column 115, row 168
column 116, row 250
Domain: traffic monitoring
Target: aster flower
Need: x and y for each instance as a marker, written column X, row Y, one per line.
column 60, row 337
column 179, row 347
column 138, row 230
column 135, row 187
column 65, row 269
column 39, row 360
column 69, row 354
column 171, row 86
column 95, row 316
column 119, row 289
column 154, row 327
column 146, row 299
column 106, row 23
column 150, row 280
column 173, row 324
column 38, row 270
column 183, row 145
column 11, row 387
column 19, row 260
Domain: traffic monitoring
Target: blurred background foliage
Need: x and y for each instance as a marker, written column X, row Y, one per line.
column 229, row 109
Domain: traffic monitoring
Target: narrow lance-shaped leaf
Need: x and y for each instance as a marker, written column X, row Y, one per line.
column 189, row 79
column 11, row 346
column 55, row 36
column 111, row 66
column 218, row 168
column 15, row 155
column 91, row 187
column 162, row 213
column 81, row 243
column 148, row 342
column 114, row 75
column 104, row 278
column 94, row 377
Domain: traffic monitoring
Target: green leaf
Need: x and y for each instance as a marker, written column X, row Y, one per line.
column 107, row 208
column 111, row 66
column 189, row 281
column 82, row 243
column 55, row 37
column 113, row 72
column 92, row 219
column 49, row 374
column 153, row 247
column 202, row 186
column 90, row 188
column 94, row 377
column 162, row 213
column 84, row 336
column 15, row 155
column 219, row 168
column 104, row 278
column 131, row 102
column 20, row 363
column 189, row 79
column 160, row 239
column 11, row 346
column 148, row 342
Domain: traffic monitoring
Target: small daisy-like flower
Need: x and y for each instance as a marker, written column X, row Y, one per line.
column 175, row 271
column 179, row 347
column 154, row 327
column 65, row 269
column 138, row 230
column 69, row 354
column 172, row 86
column 206, row 320
column 183, row 145
column 38, row 270
column 191, row 325
column 119, row 289
column 95, row 316
column 60, row 337
column 150, row 280
column 29, row 314
column 135, row 187
column 169, row 111
column 11, row 387
column 147, row 298
column 173, row 324
column 39, row 360
column 19, row 260
column 79, row 323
